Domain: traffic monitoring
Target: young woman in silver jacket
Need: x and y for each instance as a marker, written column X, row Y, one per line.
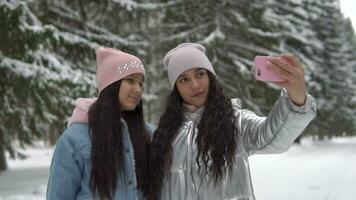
column 201, row 146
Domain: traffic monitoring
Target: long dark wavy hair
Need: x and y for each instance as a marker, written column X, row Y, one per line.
column 107, row 143
column 216, row 139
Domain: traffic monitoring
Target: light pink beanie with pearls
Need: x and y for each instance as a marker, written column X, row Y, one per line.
column 113, row 65
column 184, row 57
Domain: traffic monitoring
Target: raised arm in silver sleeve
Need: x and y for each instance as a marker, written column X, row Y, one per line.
column 276, row 132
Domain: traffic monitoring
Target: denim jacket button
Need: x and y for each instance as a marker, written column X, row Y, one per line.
column 130, row 182
column 127, row 150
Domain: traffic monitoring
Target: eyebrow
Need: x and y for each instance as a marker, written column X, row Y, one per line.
column 196, row 70
column 199, row 69
column 134, row 77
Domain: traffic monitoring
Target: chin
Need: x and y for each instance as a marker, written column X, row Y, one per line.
column 129, row 108
column 197, row 104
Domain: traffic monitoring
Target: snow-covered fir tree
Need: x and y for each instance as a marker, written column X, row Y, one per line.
column 335, row 61
column 48, row 60
column 47, row 56
column 37, row 81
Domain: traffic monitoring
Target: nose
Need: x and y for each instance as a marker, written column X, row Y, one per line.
column 138, row 88
column 195, row 84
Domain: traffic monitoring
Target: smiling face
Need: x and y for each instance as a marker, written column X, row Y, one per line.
column 130, row 92
column 193, row 86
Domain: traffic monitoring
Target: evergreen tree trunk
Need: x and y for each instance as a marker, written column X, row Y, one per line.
column 52, row 135
column 3, row 164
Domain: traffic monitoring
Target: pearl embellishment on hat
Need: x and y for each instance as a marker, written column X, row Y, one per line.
column 128, row 66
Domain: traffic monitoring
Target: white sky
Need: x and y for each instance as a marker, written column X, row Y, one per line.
column 348, row 7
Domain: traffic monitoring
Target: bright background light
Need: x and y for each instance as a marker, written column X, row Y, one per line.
column 348, row 7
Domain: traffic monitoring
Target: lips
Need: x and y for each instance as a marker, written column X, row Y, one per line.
column 197, row 94
column 135, row 98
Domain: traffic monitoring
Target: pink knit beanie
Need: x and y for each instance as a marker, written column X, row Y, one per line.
column 183, row 57
column 113, row 65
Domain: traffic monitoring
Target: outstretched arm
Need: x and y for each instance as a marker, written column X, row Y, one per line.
column 289, row 117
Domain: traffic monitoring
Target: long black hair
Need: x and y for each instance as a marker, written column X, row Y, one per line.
column 107, row 142
column 216, row 139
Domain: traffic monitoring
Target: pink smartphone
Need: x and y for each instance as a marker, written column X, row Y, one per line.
column 262, row 73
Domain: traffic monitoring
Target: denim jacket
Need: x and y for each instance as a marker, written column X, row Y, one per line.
column 71, row 166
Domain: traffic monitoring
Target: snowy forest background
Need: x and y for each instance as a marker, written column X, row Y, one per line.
column 47, row 56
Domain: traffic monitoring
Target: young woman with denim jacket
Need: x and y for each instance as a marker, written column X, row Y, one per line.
column 103, row 152
column 201, row 146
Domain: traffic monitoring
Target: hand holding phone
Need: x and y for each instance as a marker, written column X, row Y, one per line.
column 262, row 73
column 293, row 73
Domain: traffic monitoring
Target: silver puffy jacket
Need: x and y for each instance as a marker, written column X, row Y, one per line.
column 272, row 134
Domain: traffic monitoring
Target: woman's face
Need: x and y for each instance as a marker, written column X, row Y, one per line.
column 130, row 92
column 193, row 86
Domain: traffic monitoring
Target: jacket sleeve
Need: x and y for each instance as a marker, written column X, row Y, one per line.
column 65, row 172
column 276, row 132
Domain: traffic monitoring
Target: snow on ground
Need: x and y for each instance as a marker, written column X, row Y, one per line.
column 322, row 170
column 27, row 179
column 38, row 157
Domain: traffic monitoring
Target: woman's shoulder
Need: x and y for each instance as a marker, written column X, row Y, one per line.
column 239, row 111
column 77, row 134
column 236, row 103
